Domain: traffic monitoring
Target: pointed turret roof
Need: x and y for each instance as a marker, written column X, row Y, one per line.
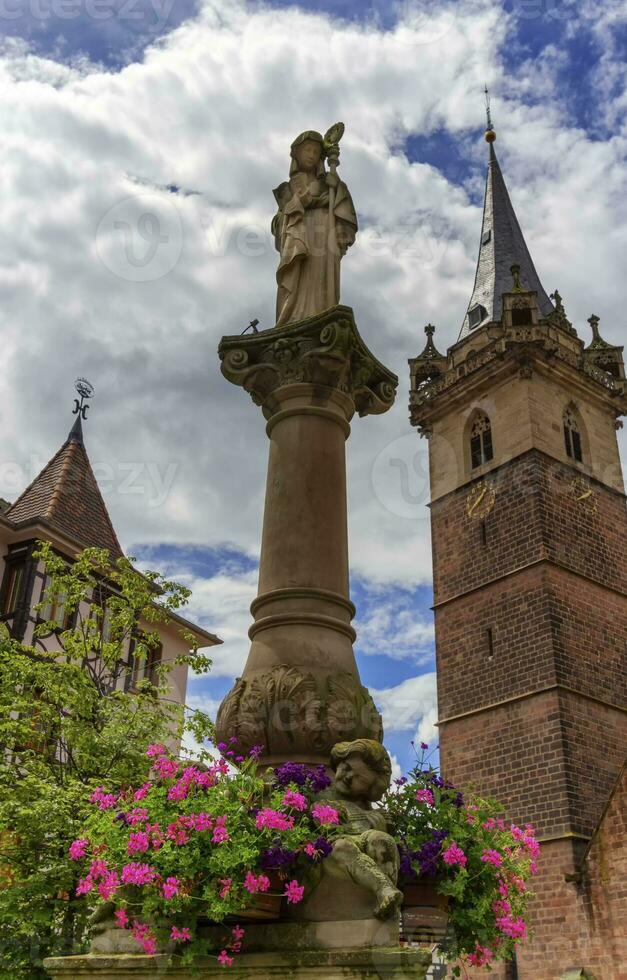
column 502, row 245
column 67, row 497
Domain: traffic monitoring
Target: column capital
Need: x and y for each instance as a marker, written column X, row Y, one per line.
column 325, row 351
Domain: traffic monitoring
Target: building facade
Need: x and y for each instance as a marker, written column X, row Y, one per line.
column 64, row 506
column 530, row 586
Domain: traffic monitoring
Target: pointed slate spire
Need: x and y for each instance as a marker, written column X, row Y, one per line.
column 66, row 494
column 502, row 245
column 76, row 432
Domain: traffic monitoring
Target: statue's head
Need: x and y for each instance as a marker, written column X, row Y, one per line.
column 362, row 769
column 307, row 153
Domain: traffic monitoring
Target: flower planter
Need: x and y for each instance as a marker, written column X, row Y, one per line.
column 262, row 908
column 424, row 913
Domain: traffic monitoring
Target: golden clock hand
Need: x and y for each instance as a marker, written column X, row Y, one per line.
column 478, row 501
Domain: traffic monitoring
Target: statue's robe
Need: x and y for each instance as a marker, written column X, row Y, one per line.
column 310, row 244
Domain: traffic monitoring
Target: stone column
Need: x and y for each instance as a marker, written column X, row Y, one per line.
column 300, row 691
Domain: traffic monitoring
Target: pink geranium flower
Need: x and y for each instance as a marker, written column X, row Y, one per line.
column 250, row 883
column 514, row 928
column 85, row 885
column 294, row 892
column 143, row 791
column 295, row 800
column 481, row 956
column 454, row 855
column 273, row 820
column 177, row 834
column 491, row 856
column 165, row 768
column 156, row 749
column 104, row 800
column 225, row 886
column 202, row 821
column 138, row 874
column 180, row 935
column 121, row 918
column 108, row 886
column 141, row 934
column 325, row 815
column 224, row 959
column 138, row 815
column 78, row 849
column 170, row 887
column 98, row 869
column 138, row 843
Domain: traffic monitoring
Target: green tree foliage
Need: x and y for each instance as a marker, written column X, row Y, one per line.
column 75, row 715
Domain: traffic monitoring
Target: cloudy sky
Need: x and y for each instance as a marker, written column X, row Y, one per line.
column 140, row 143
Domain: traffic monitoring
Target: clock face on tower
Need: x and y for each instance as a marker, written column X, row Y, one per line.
column 480, row 500
column 584, row 494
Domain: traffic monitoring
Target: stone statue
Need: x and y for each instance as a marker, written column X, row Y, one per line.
column 313, row 227
column 365, row 852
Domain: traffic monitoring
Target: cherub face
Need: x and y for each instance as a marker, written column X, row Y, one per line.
column 354, row 778
column 308, row 155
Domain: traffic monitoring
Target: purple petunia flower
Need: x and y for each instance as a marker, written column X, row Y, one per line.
column 277, row 857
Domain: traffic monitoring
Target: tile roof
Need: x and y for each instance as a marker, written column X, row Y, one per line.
column 502, row 245
column 67, row 496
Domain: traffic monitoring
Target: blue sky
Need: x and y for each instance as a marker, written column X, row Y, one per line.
column 106, row 103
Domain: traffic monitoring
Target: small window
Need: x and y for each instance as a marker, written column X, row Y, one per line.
column 13, row 586
column 476, row 316
column 54, row 610
column 144, row 668
column 522, row 317
column 572, row 436
column 490, row 643
column 487, row 235
column 481, row 442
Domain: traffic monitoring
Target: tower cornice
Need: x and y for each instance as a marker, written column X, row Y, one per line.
column 502, row 351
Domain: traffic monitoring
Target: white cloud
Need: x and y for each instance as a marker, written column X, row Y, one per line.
column 214, row 107
column 408, row 705
column 392, row 624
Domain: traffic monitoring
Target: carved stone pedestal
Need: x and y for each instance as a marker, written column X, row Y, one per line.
column 382, row 963
column 365, row 948
column 300, row 691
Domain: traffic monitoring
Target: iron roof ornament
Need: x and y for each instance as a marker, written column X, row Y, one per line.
column 86, row 391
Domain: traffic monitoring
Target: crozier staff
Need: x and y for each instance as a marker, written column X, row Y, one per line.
column 313, row 227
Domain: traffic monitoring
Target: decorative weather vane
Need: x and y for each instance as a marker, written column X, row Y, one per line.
column 490, row 135
column 86, row 391
column 487, row 107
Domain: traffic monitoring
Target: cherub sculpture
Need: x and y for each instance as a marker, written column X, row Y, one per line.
column 365, row 852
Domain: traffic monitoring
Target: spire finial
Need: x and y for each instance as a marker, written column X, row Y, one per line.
column 490, row 135
column 86, row 391
column 429, row 330
column 593, row 320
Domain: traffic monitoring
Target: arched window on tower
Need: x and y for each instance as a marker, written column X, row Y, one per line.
column 572, row 435
column 480, row 441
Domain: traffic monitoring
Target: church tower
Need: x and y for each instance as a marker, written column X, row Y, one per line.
column 529, row 563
